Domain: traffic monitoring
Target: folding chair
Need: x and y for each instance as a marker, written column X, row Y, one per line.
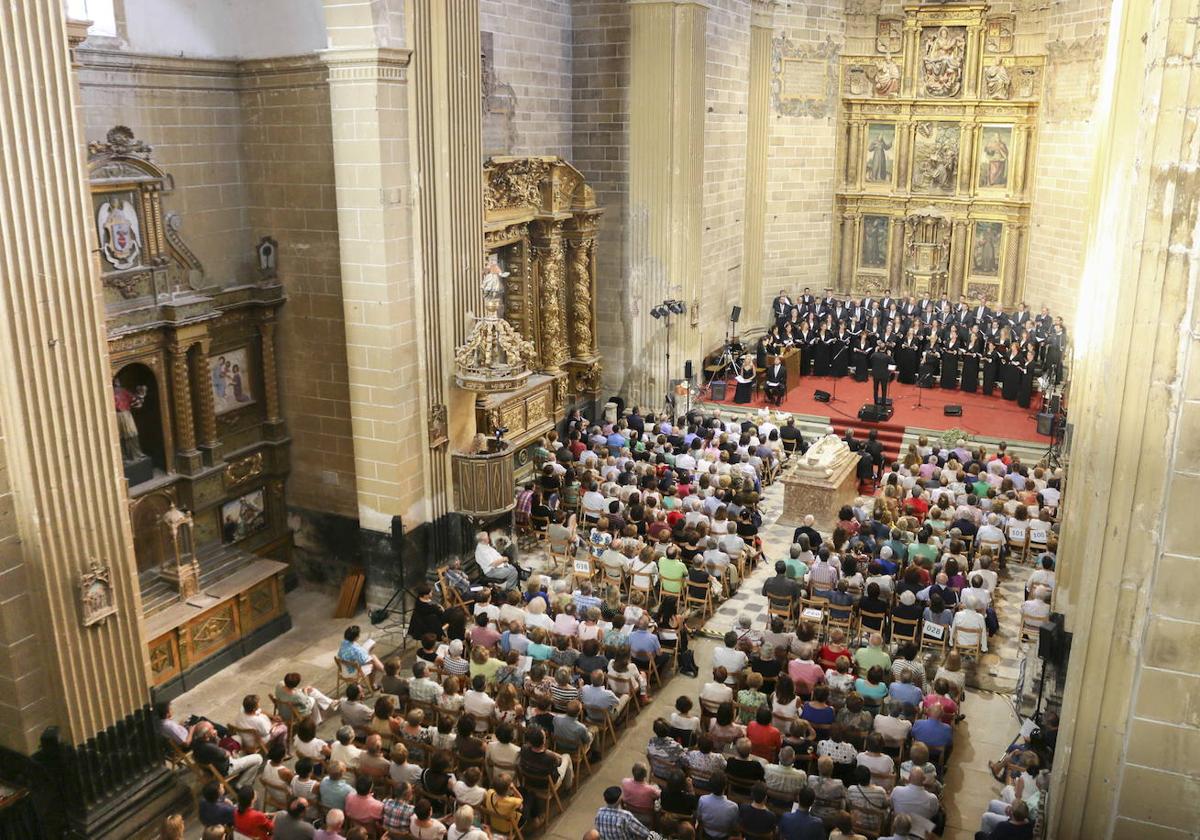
column 906, row 630
column 602, row 718
column 934, row 637
column 624, row 685
column 871, row 622
column 1017, row 536
column 783, row 608
column 699, row 595
column 583, row 570
column 545, row 790
column 351, row 673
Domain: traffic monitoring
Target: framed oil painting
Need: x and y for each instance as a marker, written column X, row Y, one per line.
column 995, row 144
column 232, row 384
column 880, row 164
column 875, row 235
column 985, row 248
column 243, row 517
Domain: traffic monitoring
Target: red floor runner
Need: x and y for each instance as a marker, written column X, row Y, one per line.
column 982, row 415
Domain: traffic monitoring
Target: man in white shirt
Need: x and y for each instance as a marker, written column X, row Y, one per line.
column 493, row 564
column 730, row 658
column 718, row 691
column 985, row 571
column 1043, row 577
column 970, row 624
column 991, row 532
column 783, row 779
column 477, row 702
column 895, row 726
column 912, row 798
column 593, row 504
column 978, row 590
column 1036, row 611
column 715, row 559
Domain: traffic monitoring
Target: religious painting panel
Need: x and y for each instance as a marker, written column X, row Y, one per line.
column 879, row 166
column 986, row 248
column 995, row 145
column 935, row 158
column 243, row 517
column 943, row 57
column 232, row 386
column 876, row 239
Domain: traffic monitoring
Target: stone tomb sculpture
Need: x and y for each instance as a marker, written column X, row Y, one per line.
column 819, row 482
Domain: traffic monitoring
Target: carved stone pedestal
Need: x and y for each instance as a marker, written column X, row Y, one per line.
column 819, row 483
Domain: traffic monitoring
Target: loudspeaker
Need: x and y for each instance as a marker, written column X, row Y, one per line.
column 1055, row 404
column 1045, row 423
column 735, row 314
column 872, row 413
column 821, row 396
column 718, row 389
column 952, row 410
column 687, row 370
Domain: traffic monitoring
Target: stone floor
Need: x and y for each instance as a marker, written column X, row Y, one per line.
column 989, row 726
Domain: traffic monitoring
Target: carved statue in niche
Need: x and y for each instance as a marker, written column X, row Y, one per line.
column 887, row 77
column 942, row 57
column 997, row 81
column 138, row 465
column 96, row 595
column 495, row 356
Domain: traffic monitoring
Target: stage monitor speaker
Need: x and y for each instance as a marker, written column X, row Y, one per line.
column 1045, row 423
column 718, row 389
column 952, row 410
column 735, row 314
column 687, row 370
column 874, row 413
column 821, row 396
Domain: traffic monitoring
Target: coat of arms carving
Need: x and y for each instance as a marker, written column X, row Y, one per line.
column 119, row 232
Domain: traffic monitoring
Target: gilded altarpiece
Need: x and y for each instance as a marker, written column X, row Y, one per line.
column 936, row 142
column 540, row 226
column 204, row 447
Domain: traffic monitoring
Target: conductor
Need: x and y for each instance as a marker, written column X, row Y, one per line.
column 881, row 373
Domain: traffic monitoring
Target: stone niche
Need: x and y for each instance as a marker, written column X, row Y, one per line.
column 204, row 447
column 936, row 138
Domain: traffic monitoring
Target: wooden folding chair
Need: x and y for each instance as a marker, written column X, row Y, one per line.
column 699, row 595
column 641, row 582
column 251, row 741
column 275, row 796
column 934, row 637
column 973, row 647
column 451, row 597
column 1031, row 631
column 611, row 576
column 351, row 673
column 583, row 569
column 289, row 714
column 1018, row 542
column 671, row 587
column 782, row 608
column 510, row 827
column 624, row 685
column 906, row 630
column 602, row 718
column 838, row 617
column 543, row 788
column 871, row 622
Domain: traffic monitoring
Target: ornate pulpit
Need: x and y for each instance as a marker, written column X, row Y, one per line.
column 926, row 254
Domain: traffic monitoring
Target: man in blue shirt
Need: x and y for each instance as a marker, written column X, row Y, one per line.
column 616, row 442
column 719, row 816
column 903, row 692
column 932, row 732
column 644, row 644
column 615, row 823
column 800, row 824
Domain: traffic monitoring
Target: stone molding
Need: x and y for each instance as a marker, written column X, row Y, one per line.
column 381, row 64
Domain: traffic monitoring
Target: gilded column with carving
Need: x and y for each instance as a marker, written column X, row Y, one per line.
column 208, row 415
column 583, row 335
column 181, row 387
column 552, row 298
column 1012, row 264
column 958, row 258
column 847, row 268
column 852, row 153
column 266, row 330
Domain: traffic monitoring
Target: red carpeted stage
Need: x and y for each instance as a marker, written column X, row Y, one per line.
column 985, row 416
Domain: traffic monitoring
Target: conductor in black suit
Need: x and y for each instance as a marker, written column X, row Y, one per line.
column 880, row 361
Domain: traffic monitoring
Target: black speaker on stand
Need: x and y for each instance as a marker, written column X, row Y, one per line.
column 735, row 314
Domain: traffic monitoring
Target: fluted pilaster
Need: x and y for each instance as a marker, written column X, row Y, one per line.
column 63, row 501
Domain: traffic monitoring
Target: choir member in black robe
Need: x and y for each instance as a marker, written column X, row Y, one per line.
column 972, row 350
column 1025, row 383
column 991, row 365
column 860, row 355
column 1010, row 373
column 822, row 351
column 804, row 345
column 1055, row 347
column 908, row 354
column 781, row 308
column 773, row 341
column 744, row 375
column 839, row 363
column 950, row 354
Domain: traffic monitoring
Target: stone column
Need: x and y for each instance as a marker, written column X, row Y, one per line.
column 63, row 506
column 758, row 108
column 266, row 333
column 666, row 177
column 187, row 456
column 1128, row 762
column 209, row 443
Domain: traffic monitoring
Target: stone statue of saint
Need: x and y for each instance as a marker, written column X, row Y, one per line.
column 887, row 77
column 997, row 81
column 125, row 401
